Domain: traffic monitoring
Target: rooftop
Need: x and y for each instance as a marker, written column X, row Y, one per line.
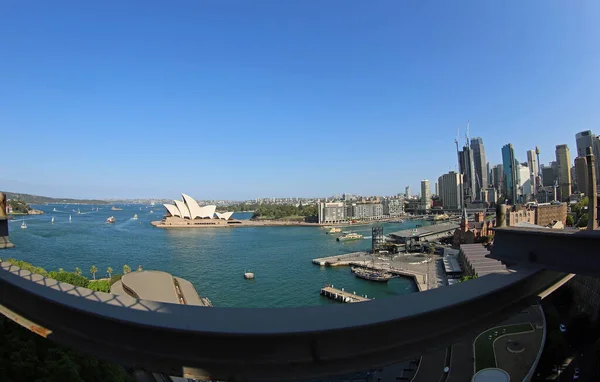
column 425, row 231
column 475, row 255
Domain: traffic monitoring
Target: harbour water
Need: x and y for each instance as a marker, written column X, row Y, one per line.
column 214, row 260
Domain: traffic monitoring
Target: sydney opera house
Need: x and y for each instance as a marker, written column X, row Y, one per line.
column 187, row 212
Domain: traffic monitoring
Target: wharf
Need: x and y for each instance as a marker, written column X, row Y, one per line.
column 341, row 295
column 334, row 261
column 426, row 276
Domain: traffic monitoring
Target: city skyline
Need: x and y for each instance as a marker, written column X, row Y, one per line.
column 266, row 107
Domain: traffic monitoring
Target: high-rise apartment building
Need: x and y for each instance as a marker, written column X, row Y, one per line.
column 467, row 169
column 511, row 173
column 426, row 193
column 331, row 212
column 563, row 160
column 581, row 174
column 480, row 167
column 450, row 186
column 407, row 192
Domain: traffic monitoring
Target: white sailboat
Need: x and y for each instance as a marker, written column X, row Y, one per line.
column 69, row 218
column 52, row 219
column 23, row 225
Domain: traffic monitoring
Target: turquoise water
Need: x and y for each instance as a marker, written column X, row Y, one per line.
column 214, row 260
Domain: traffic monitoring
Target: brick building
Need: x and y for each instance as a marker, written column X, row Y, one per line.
column 548, row 213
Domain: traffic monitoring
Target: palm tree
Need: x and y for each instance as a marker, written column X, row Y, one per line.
column 109, row 271
column 78, row 271
column 126, row 269
column 93, row 271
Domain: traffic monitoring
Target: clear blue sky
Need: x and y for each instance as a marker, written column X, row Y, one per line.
column 243, row 99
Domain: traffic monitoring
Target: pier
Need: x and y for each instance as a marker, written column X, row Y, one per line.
column 426, row 275
column 341, row 295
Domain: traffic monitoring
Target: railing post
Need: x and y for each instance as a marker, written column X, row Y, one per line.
column 500, row 215
column 591, row 191
column 4, row 242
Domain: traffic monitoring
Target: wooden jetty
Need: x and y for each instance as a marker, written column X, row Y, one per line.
column 341, row 295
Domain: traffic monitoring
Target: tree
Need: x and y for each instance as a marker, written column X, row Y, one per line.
column 466, row 278
column 126, row 269
column 583, row 221
column 109, row 270
column 70, row 278
column 78, row 271
column 60, row 270
column 570, row 221
column 100, row 285
column 93, row 271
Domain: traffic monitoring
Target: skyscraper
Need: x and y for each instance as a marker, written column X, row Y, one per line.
column 426, row 193
column 563, row 160
column 584, row 140
column 498, row 177
column 533, row 168
column 510, row 166
column 549, row 174
column 467, row 169
column 480, row 166
column 450, row 186
column 581, row 174
column 407, row 192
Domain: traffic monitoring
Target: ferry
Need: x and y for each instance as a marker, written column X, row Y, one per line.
column 334, row 230
column 116, row 209
column 111, row 219
column 350, row 236
column 372, row 275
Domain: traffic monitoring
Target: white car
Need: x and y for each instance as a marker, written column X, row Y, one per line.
column 563, row 328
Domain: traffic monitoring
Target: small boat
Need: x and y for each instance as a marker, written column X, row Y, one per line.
column 78, row 212
column 334, row 230
column 111, row 219
column 372, row 275
column 397, row 221
column 248, row 275
column 52, row 219
column 151, row 211
column 116, row 209
column 135, row 217
column 69, row 218
column 54, row 210
column 23, row 225
column 350, row 236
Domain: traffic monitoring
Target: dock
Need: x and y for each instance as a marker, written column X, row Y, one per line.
column 341, row 295
column 413, row 266
column 346, row 259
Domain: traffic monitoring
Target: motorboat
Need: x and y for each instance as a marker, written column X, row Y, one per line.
column 334, row 230
column 350, row 236
column 135, row 217
column 23, row 225
column 111, row 219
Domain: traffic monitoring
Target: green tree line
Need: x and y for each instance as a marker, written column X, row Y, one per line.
column 280, row 211
column 18, row 206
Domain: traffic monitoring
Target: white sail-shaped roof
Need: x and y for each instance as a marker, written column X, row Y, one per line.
column 184, row 212
column 173, row 210
column 224, row 215
column 193, row 207
column 208, row 211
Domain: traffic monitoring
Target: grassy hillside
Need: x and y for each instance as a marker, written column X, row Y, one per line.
column 36, row 199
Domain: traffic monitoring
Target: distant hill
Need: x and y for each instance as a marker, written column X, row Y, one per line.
column 36, row 199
